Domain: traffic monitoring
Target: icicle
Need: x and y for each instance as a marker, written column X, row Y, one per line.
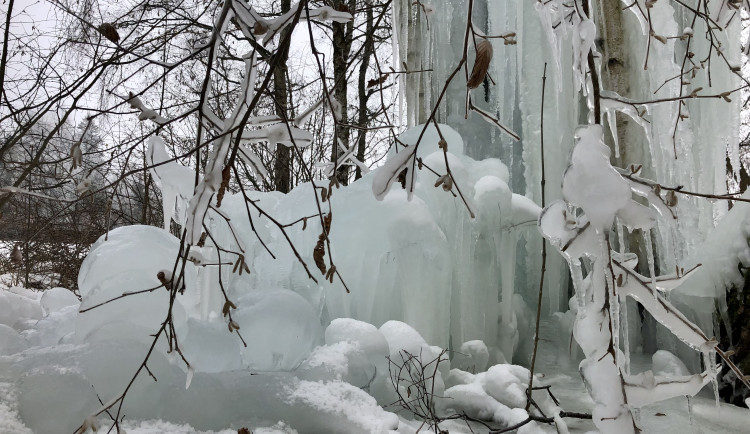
column 709, row 358
column 555, row 47
column 691, row 419
column 620, row 236
column 636, row 415
column 612, row 121
column 507, row 269
column 650, row 255
column 625, row 336
column 189, row 378
column 614, row 308
column 714, row 376
column 577, row 276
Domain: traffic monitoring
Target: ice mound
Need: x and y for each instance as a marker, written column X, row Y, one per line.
column 360, row 410
column 343, row 361
column 54, row 399
column 472, row 356
column 341, row 386
column 57, row 388
column 10, row 341
column 369, row 339
column 405, row 342
column 128, row 260
column 425, row 257
column 210, row 347
column 355, row 352
column 666, row 364
column 499, row 395
column 280, row 328
column 293, row 368
column 56, row 327
column 55, row 299
column 19, row 304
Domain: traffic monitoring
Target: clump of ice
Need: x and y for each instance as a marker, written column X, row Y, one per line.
column 18, row 305
column 365, row 347
column 127, row 260
column 56, row 327
column 55, row 299
column 54, row 399
column 472, row 356
column 667, row 364
column 11, row 342
column 280, row 328
column 591, row 182
column 498, row 395
column 209, row 347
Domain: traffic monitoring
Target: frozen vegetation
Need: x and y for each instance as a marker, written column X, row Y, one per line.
column 317, row 357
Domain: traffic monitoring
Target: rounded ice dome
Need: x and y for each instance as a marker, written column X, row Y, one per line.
column 57, row 298
column 128, row 260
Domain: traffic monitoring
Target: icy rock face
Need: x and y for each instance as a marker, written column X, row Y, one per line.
column 128, row 260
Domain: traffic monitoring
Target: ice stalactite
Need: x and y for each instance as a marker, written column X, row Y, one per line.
column 176, row 181
column 690, row 413
column 650, row 256
column 426, row 257
column 544, row 36
column 508, row 331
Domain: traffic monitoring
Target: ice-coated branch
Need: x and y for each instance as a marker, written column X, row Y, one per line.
column 640, row 288
column 402, row 162
column 146, row 112
column 604, row 193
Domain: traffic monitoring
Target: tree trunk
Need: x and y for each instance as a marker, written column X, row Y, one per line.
column 362, row 89
column 342, row 44
column 283, row 161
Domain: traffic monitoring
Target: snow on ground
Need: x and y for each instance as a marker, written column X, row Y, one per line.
column 326, row 399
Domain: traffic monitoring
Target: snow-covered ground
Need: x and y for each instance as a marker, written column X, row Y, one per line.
column 50, row 390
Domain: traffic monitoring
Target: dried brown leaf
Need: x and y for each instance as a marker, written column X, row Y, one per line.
column 481, row 64
column 108, row 31
column 225, row 175
column 260, row 28
column 319, row 253
column 377, row 81
column 671, row 199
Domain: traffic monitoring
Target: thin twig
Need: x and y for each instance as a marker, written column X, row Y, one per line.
column 544, row 256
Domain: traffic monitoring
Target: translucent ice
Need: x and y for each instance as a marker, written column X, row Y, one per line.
column 280, row 328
